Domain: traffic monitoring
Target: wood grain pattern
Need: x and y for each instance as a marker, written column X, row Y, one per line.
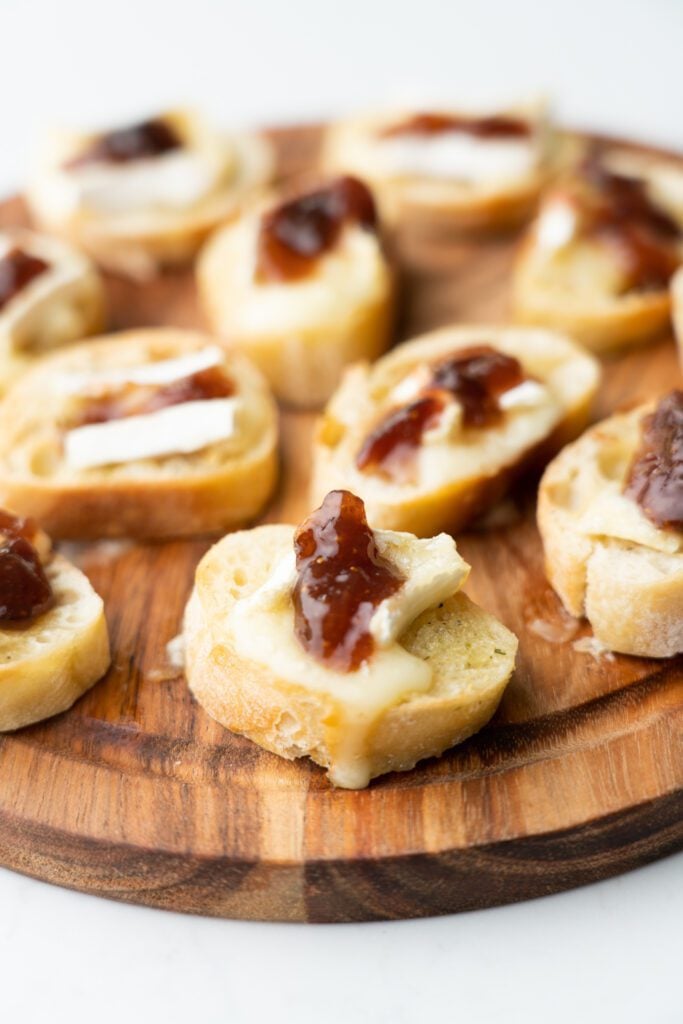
column 137, row 795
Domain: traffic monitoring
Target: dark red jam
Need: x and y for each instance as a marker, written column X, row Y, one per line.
column 141, row 399
column 341, row 579
column 495, row 127
column 17, row 269
column 655, row 478
column 644, row 238
column 475, row 377
column 25, row 591
column 135, row 142
column 294, row 235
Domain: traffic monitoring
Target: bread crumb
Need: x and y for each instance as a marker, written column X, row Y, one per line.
column 556, row 632
column 591, row 645
column 175, row 662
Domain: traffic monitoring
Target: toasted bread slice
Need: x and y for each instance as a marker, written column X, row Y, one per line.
column 604, row 558
column 577, row 275
column 458, row 479
column 471, row 656
column 49, row 664
column 136, row 215
column 496, row 186
column 63, row 303
column 222, row 484
column 301, row 333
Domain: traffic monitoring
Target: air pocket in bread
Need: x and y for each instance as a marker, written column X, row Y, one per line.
column 610, row 513
column 148, row 433
column 53, row 635
column 303, row 287
column 350, row 646
column 434, row 432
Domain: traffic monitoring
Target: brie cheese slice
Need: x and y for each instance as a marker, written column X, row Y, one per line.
column 179, row 429
column 163, row 371
column 455, row 156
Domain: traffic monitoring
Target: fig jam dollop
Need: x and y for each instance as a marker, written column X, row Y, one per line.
column 341, row 579
column 499, row 126
column 475, row 377
column 134, row 142
column 140, row 400
column 25, row 591
column 17, row 270
column 644, row 238
column 655, row 478
column 294, row 235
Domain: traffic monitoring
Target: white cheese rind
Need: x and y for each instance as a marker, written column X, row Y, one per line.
column 179, row 429
column 163, row 371
column 455, row 155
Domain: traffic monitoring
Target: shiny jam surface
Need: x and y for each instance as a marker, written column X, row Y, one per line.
column 341, row 579
column 643, row 236
column 475, row 377
column 135, row 142
column 294, row 235
column 655, row 478
column 139, row 400
column 495, row 127
column 17, row 269
column 25, row 591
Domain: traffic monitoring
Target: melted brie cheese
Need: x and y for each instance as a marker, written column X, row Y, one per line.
column 262, row 628
column 179, row 429
column 556, row 225
column 457, row 156
column 610, row 513
column 163, row 371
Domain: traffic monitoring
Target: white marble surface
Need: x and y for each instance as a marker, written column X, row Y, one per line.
column 609, row 952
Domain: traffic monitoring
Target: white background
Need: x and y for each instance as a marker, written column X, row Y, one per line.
column 610, row 952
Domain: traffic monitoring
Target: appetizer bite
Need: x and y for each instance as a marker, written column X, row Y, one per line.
column 53, row 635
column 599, row 258
column 146, row 194
column 148, row 433
column 432, row 435
column 302, row 286
column 447, row 169
column 351, row 646
column 50, row 294
column 610, row 513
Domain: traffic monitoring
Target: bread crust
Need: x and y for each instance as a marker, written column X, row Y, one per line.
column 434, row 206
column 631, row 594
column 301, row 356
column 677, row 310
column 459, row 500
column 201, row 494
column 46, row 666
column 473, row 655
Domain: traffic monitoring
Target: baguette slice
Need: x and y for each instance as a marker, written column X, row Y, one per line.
column 225, row 484
column 477, row 468
column 63, row 304
column 471, row 655
column 566, row 277
column 604, row 558
column 47, row 665
column 440, row 203
column 135, row 238
column 301, row 333
column 677, row 310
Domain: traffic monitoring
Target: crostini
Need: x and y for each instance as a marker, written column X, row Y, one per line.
column 432, row 435
column 598, row 260
column 610, row 514
column 147, row 433
column 447, row 169
column 145, row 195
column 303, row 287
column 53, row 636
column 351, row 646
column 50, row 294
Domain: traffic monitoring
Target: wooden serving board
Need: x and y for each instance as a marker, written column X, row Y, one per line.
column 136, row 794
